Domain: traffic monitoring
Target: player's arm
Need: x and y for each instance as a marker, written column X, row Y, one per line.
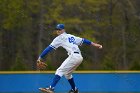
column 96, row 45
column 45, row 52
column 55, row 44
column 88, row 42
column 41, row 60
column 41, row 65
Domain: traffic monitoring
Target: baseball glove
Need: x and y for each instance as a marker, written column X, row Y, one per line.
column 41, row 65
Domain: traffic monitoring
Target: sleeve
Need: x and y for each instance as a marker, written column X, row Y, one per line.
column 56, row 43
column 78, row 41
column 85, row 41
column 45, row 52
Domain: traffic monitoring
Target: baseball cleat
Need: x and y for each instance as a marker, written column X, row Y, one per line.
column 73, row 91
column 46, row 90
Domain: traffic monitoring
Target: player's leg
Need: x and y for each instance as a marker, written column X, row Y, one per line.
column 73, row 64
column 67, row 67
column 55, row 81
column 50, row 89
column 71, row 81
column 59, row 73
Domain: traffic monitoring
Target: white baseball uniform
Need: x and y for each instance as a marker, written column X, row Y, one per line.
column 70, row 43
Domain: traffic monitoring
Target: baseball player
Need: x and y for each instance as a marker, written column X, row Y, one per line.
column 70, row 43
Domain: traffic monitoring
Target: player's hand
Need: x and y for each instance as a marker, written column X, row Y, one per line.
column 41, row 65
column 100, row 47
column 97, row 45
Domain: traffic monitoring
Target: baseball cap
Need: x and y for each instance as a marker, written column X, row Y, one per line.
column 60, row 26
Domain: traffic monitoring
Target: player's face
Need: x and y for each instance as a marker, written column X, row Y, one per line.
column 59, row 31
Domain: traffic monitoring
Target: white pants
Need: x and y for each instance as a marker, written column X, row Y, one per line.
column 69, row 65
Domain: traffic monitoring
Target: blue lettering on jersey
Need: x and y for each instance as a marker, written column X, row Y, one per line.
column 72, row 40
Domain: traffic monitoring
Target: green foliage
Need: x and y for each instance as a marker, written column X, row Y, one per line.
column 135, row 66
column 27, row 25
column 19, row 65
column 108, row 64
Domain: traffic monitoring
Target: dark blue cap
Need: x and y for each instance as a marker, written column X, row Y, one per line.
column 60, row 26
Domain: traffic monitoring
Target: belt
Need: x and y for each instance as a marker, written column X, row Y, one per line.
column 77, row 52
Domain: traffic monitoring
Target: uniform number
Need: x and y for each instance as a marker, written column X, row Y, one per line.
column 71, row 40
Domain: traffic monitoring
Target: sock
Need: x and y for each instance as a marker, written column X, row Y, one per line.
column 71, row 81
column 55, row 80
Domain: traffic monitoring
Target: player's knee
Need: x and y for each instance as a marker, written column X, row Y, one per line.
column 68, row 76
column 59, row 72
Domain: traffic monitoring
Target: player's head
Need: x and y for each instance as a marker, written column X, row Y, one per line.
column 60, row 28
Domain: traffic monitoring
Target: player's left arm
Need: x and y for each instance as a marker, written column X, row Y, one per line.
column 55, row 44
column 41, row 65
column 88, row 42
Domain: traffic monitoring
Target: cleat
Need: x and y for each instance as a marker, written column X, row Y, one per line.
column 47, row 90
column 73, row 91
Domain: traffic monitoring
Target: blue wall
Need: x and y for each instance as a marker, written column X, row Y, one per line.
column 86, row 82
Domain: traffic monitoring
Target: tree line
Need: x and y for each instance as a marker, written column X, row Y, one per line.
column 27, row 27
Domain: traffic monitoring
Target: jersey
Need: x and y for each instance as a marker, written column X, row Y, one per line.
column 68, row 42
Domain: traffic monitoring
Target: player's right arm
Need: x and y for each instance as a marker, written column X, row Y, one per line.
column 96, row 45
column 88, row 42
column 80, row 41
